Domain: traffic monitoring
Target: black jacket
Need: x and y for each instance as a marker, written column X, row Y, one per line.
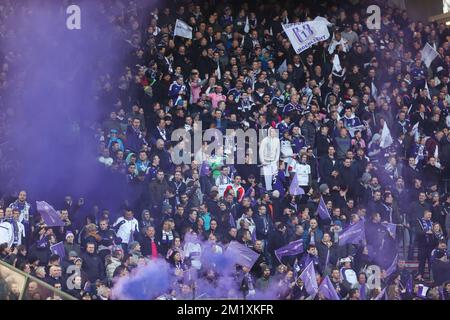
column 441, row 272
column 322, row 250
column 146, row 246
column 93, row 266
column 41, row 254
column 323, row 142
column 309, row 132
column 326, row 166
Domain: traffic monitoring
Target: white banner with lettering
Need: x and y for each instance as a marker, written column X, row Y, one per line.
column 303, row 35
column 182, row 29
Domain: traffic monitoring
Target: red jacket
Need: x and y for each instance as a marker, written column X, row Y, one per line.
column 239, row 192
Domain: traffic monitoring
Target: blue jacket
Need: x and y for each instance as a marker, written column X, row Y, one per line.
column 135, row 139
column 262, row 233
column 175, row 89
column 307, row 239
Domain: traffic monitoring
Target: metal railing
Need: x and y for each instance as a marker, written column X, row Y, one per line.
column 17, row 282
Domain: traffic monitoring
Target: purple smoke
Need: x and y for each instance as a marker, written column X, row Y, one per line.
column 146, row 282
column 56, row 100
column 218, row 280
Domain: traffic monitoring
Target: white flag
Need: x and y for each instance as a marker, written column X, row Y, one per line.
column 374, row 90
column 336, row 63
column 428, row 90
column 386, row 138
column 415, row 131
column 182, row 29
column 415, row 128
column 247, row 25
column 283, row 67
column 303, row 35
column 323, row 20
column 218, row 73
column 428, row 54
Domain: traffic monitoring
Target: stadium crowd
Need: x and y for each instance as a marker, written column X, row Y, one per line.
column 239, row 71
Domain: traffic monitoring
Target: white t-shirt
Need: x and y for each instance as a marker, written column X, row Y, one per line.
column 303, row 171
column 193, row 250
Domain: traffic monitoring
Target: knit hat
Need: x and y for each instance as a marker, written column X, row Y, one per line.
column 68, row 234
column 366, row 177
column 165, row 207
column 276, row 194
column 323, row 188
column 73, row 254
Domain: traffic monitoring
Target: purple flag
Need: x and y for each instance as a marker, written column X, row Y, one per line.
column 352, row 234
column 322, row 210
column 392, row 267
column 50, row 216
column 58, row 248
column 308, row 277
column 291, row 249
column 204, row 169
column 241, row 255
column 305, row 261
column 391, row 228
column 248, row 192
column 294, row 188
column 42, row 243
column 327, row 290
column 231, row 221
